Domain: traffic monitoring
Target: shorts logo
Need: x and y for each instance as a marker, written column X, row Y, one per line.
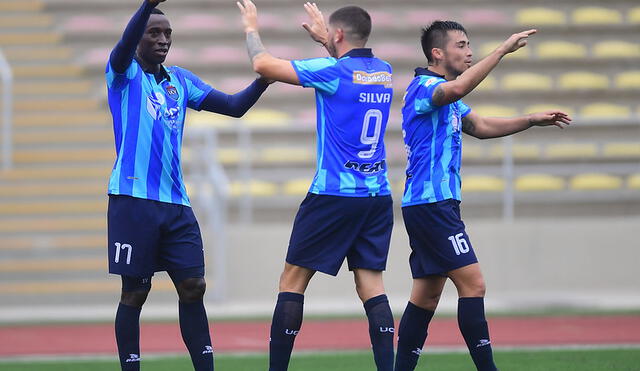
column 172, row 92
column 375, row 78
column 154, row 103
column 133, row 358
column 291, row 332
column 208, row 349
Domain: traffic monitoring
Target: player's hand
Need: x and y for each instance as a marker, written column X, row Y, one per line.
column 317, row 29
column 548, row 118
column 515, row 42
column 249, row 14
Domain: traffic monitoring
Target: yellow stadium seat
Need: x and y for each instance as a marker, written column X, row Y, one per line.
column 606, row 111
column 266, row 118
column 489, row 83
column 583, row 81
column 21, row 6
column 634, row 15
column 287, row 154
column 296, row 187
column 489, row 47
column 495, row 110
column 592, row 15
column 520, row 151
column 527, row 81
column 472, row 151
column 40, row 38
column 628, row 80
column 229, row 156
column 616, row 49
column 634, row 181
column 595, row 182
column 208, row 119
column 548, row 107
column 625, row 149
column 561, row 49
column 539, row 182
column 482, row 183
column 255, row 188
column 540, row 16
column 571, row 150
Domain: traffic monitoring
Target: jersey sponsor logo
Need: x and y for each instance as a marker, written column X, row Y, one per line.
column 154, row 103
column 172, row 92
column 375, row 78
column 366, row 167
column 374, row 98
column 431, row 80
column 171, row 116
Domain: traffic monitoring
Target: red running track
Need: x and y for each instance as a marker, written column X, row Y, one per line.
column 94, row 339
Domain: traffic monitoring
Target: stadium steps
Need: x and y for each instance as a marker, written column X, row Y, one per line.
column 52, row 242
column 35, row 224
column 61, row 136
column 30, row 21
column 73, row 287
column 26, row 54
column 75, row 88
column 21, row 6
column 103, row 156
column 64, row 207
column 50, row 189
column 59, row 119
column 25, row 175
column 31, row 38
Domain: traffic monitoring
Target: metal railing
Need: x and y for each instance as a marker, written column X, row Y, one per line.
column 7, row 113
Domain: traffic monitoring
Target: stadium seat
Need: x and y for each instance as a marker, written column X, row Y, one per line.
column 223, row 54
column 527, row 81
column 397, row 51
column 230, row 156
column 39, row 265
column 92, row 188
column 57, row 173
column 583, row 81
column 30, row 38
column 21, row 6
column 520, row 151
column 571, row 150
column 266, row 118
column 634, row 15
column 633, row 182
column 62, row 137
column 203, row 118
column 60, row 224
column 488, row 48
column 296, row 187
column 489, row 83
column 422, row 18
column 623, row 149
column 55, row 71
column 482, row 183
column 549, row 107
column 38, row 53
column 200, row 22
column 539, row 182
column 616, row 49
column 287, row 155
column 540, row 16
column 561, row 49
column 30, row 21
column 495, row 110
column 605, row 111
column 472, row 151
column 60, row 105
column 595, row 182
column 490, row 17
column 60, row 119
column 97, row 155
column 255, row 188
column 55, row 88
column 65, row 207
column 89, row 23
column 628, row 80
column 591, row 15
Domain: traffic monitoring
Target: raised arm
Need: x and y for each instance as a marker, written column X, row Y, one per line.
column 122, row 55
column 454, row 90
column 494, row 127
column 318, row 28
column 265, row 64
column 235, row 105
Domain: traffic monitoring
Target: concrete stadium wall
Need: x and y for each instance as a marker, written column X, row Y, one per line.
column 528, row 264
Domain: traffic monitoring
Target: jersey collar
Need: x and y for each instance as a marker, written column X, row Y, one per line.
column 359, row 52
column 424, row 71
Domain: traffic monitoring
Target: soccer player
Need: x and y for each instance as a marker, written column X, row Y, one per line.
column 151, row 226
column 433, row 118
column 348, row 210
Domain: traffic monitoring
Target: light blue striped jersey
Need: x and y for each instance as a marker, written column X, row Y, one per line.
column 353, row 100
column 148, row 121
column 433, row 140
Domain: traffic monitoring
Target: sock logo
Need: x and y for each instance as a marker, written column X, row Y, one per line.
column 208, row 349
column 133, row 358
column 417, row 351
column 387, row 329
column 483, row 342
column 291, row 332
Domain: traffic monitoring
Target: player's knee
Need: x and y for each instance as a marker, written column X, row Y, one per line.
column 191, row 290
column 134, row 298
column 474, row 288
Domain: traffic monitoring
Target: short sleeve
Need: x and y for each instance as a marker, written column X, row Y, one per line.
column 463, row 108
column 196, row 89
column 424, row 94
column 117, row 81
column 318, row 73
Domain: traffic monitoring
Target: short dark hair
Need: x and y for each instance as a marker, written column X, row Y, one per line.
column 157, row 11
column 354, row 20
column 435, row 36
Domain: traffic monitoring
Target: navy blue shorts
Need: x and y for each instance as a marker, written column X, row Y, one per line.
column 439, row 243
column 329, row 228
column 147, row 236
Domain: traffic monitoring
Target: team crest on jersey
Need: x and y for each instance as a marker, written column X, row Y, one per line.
column 375, row 78
column 172, row 92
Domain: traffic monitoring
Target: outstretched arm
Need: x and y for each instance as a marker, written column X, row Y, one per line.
column 235, row 105
column 122, row 55
column 494, row 127
column 265, row 64
column 454, row 90
column 317, row 29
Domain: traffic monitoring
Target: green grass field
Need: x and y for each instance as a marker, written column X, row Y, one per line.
column 547, row 360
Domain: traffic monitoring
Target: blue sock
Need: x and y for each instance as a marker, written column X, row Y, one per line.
column 411, row 336
column 285, row 325
column 127, row 327
column 194, row 327
column 475, row 331
column 381, row 331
